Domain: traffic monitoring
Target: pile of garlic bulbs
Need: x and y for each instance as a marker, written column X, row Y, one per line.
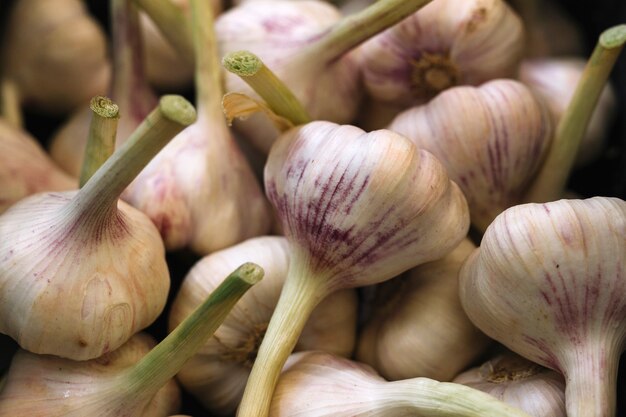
column 365, row 202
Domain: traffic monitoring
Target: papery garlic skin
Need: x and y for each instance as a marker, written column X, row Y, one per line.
column 25, row 168
column 517, row 381
column 548, row 282
column 360, row 208
column 56, row 53
column 447, row 43
column 277, row 31
column 47, row 386
column 492, row 139
column 554, row 80
column 217, row 374
column 418, row 327
column 118, row 267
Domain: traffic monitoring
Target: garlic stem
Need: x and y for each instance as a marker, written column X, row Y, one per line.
column 208, row 71
column 101, row 192
column 356, row 28
column 173, row 25
column 299, row 296
column 590, row 384
column 10, row 109
column 129, row 83
column 552, row 177
column 251, row 69
column 102, row 133
column 424, row 396
column 166, row 359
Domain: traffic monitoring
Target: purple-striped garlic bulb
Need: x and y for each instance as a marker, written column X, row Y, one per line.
column 129, row 90
column 418, row 327
column 554, row 80
column 318, row 384
column 517, row 381
column 81, row 271
column 25, row 168
column 357, row 209
column 310, row 48
column 492, row 139
column 218, row 373
column 447, row 43
column 56, row 53
column 548, row 282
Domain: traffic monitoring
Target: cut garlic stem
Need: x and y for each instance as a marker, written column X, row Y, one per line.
column 251, row 69
column 550, row 182
column 173, row 25
column 101, row 192
column 166, row 359
column 102, row 133
column 10, row 103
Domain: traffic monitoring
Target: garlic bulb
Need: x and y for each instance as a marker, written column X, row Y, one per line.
column 217, row 375
column 46, row 386
column 517, row 381
column 129, row 382
column 25, row 168
column 495, row 145
column 200, row 191
column 447, row 43
column 357, row 209
column 309, row 48
column 548, row 283
column 80, row 272
column 349, row 389
column 554, row 80
column 56, row 53
column 129, row 89
column 418, row 327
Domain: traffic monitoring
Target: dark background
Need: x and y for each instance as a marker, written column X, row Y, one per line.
column 607, row 176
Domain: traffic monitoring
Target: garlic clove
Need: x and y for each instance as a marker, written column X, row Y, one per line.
column 517, row 381
column 447, row 43
column 418, row 327
column 554, row 80
column 81, row 272
column 217, row 375
column 25, row 168
column 60, row 36
column 349, row 389
column 547, row 282
column 499, row 138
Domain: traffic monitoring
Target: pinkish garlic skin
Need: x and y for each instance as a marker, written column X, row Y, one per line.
column 548, row 282
column 517, row 381
column 25, row 168
column 56, row 53
column 129, row 89
column 47, row 386
column 361, row 207
column 554, row 80
column 79, row 285
column 492, row 139
column 447, row 43
column 277, row 31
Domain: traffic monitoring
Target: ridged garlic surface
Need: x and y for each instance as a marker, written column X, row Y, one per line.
column 548, row 282
column 554, row 80
column 25, row 168
column 418, row 327
column 277, row 32
column 218, row 373
column 517, row 381
column 491, row 139
column 47, row 386
column 447, row 43
column 56, row 53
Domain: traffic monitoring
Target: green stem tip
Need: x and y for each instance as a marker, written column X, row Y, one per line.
column 614, row 37
column 242, row 63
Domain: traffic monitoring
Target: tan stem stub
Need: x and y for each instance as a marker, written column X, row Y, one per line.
column 432, row 73
column 245, row 353
column 511, row 369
